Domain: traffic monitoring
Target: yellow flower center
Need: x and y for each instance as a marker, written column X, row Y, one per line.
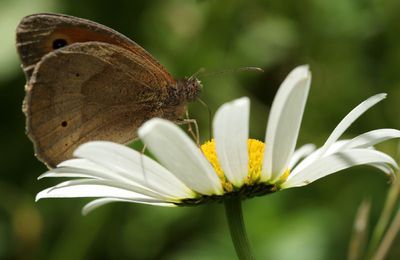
column 252, row 185
column 256, row 156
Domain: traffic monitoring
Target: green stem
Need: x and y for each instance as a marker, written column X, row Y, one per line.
column 233, row 210
column 384, row 219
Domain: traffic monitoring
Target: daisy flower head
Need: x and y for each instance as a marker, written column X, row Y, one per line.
column 229, row 165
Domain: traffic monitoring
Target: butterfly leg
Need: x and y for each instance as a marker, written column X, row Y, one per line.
column 192, row 123
column 209, row 116
column 195, row 134
column 142, row 161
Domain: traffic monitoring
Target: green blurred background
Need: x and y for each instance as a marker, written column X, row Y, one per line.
column 353, row 48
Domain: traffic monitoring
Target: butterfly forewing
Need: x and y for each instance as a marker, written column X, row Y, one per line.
column 89, row 91
column 40, row 34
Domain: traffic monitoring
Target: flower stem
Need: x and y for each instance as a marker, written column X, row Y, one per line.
column 383, row 222
column 233, row 210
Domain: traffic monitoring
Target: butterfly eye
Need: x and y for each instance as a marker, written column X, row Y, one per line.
column 59, row 43
column 64, row 123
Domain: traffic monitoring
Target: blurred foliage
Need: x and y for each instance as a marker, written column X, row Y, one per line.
column 354, row 52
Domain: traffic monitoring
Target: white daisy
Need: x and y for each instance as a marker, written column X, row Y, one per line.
column 230, row 165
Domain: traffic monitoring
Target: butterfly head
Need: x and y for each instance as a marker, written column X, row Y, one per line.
column 190, row 88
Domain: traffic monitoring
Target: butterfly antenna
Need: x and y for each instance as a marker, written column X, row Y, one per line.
column 221, row 72
column 209, row 116
column 200, row 71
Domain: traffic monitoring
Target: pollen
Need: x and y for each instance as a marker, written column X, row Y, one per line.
column 256, row 155
column 208, row 148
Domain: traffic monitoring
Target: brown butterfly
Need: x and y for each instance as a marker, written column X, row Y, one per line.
column 87, row 82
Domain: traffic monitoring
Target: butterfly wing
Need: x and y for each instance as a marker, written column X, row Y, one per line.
column 40, row 34
column 90, row 91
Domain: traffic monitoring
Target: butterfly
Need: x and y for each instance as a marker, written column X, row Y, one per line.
column 85, row 81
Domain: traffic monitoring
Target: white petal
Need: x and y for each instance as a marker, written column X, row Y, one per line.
column 103, row 201
column 231, row 131
column 99, row 188
column 372, row 138
column 68, row 172
column 102, row 180
column 384, row 168
column 349, row 119
column 284, row 122
column 300, row 153
column 134, row 166
column 362, row 141
column 81, row 168
column 337, row 162
column 178, row 153
column 335, row 147
column 84, row 164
